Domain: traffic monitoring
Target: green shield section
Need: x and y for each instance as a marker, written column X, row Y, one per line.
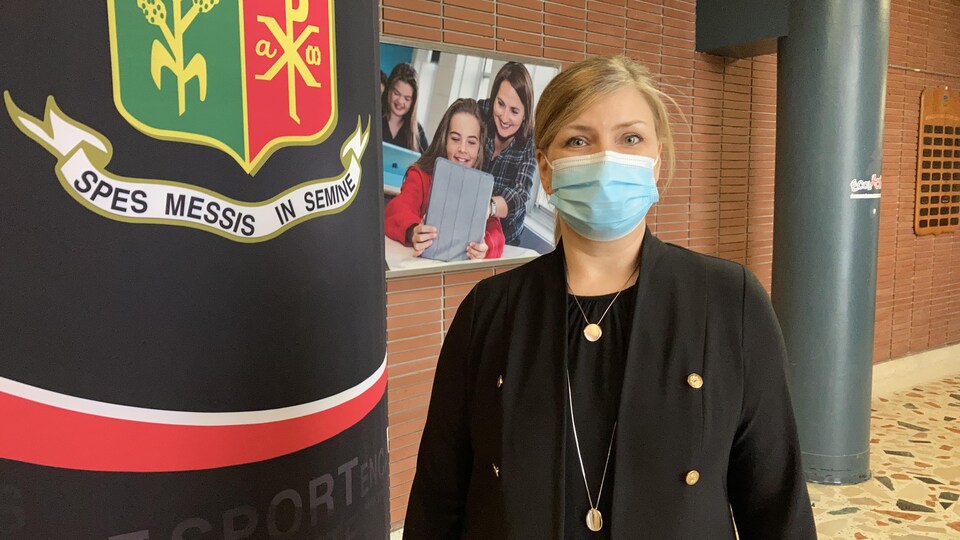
column 203, row 49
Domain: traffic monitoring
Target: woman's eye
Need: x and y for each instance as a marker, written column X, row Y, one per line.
column 633, row 139
column 576, row 142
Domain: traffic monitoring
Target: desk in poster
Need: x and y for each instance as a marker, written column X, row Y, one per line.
column 401, row 261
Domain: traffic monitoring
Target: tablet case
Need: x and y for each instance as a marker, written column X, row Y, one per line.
column 459, row 207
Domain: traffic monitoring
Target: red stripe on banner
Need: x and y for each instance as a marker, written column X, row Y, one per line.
column 45, row 435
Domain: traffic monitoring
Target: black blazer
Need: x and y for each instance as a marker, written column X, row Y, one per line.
column 491, row 462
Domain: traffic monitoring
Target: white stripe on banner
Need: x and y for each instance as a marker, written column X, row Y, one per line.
column 83, row 154
column 185, row 418
column 864, row 195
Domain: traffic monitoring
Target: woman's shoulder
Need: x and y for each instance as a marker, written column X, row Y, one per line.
column 686, row 256
column 720, row 286
column 684, row 264
column 520, row 145
column 526, row 277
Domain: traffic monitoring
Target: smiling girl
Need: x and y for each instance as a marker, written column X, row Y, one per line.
column 399, row 105
column 458, row 139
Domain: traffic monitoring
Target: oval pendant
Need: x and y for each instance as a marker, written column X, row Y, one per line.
column 594, row 520
column 592, row 332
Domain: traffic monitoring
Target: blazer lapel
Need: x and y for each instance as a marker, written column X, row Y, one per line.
column 534, row 423
column 658, row 421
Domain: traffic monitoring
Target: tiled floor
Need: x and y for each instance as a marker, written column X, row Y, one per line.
column 915, row 459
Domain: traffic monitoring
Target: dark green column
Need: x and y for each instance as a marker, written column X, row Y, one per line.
column 830, row 94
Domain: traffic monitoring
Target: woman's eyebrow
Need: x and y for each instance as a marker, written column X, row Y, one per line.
column 578, row 127
column 628, row 124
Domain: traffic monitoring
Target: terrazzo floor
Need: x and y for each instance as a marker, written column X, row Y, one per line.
column 915, row 459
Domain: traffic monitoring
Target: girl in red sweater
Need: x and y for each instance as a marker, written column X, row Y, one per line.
column 458, row 138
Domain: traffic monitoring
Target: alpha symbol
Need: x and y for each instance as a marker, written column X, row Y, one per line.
column 264, row 48
column 290, row 58
column 171, row 56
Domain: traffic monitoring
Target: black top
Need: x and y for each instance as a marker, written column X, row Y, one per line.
column 388, row 138
column 596, row 378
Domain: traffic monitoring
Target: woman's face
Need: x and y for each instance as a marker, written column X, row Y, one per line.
column 621, row 122
column 508, row 111
column 463, row 139
column 400, row 98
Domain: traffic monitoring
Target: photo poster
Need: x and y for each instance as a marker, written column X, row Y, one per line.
column 191, row 280
column 443, row 76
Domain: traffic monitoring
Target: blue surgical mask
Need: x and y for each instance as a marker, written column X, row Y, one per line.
column 604, row 196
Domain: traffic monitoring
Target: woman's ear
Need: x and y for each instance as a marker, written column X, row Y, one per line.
column 546, row 175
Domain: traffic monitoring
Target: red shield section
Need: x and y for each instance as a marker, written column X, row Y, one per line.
column 289, row 76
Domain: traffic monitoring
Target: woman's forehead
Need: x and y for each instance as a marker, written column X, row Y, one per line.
column 617, row 108
column 509, row 95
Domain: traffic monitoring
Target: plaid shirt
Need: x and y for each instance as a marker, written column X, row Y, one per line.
column 513, row 172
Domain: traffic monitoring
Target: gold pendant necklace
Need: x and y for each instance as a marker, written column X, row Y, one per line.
column 594, row 517
column 592, row 331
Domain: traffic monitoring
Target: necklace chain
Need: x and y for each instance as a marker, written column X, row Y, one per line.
column 576, row 440
column 594, row 520
column 622, row 288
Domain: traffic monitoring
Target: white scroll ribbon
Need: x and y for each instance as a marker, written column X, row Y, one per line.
column 83, row 155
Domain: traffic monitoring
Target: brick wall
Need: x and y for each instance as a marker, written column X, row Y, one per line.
column 918, row 288
column 720, row 201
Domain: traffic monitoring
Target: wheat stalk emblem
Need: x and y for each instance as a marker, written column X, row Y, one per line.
column 171, row 55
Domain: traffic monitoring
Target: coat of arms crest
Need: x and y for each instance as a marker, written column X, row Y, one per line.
column 246, row 77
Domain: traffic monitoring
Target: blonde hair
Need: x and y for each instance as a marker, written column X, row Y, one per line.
column 582, row 84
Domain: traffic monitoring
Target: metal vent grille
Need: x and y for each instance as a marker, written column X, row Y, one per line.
column 938, row 162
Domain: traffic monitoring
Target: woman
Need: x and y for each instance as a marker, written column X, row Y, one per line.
column 399, row 105
column 508, row 148
column 618, row 387
column 458, row 139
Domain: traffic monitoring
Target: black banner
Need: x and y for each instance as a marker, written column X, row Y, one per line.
column 191, row 271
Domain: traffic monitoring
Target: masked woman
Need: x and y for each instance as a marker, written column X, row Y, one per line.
column 399, row 105
column 458, row 139
column 508, row 147
column 618, row 387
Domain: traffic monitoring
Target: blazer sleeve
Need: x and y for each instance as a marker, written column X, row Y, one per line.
column 403, row 211
column 768, row 493
column 494, row 239
column 439, row 492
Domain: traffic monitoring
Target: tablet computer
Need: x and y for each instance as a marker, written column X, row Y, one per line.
column 396, row 161
column 459, row 206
